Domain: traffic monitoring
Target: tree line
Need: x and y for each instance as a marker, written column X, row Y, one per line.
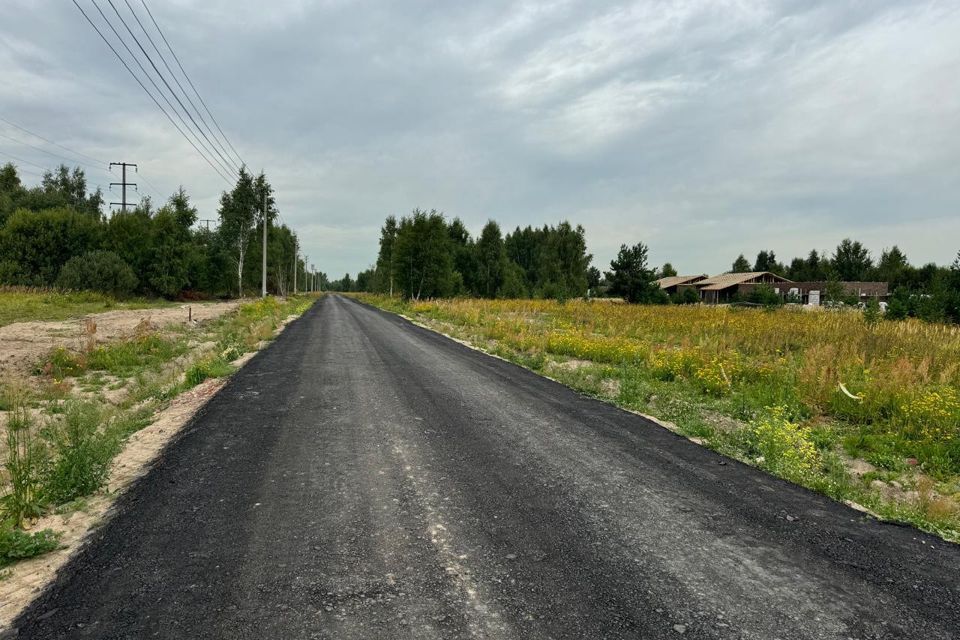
column 423, row 255
column 57, row 235
column 930, row 292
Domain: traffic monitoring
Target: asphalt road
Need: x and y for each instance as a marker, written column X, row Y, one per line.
column 366, row 478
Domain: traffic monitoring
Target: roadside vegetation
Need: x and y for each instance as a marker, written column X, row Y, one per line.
column 27, row 304
column 863, row 411
column 56, row 234
column 63, row 425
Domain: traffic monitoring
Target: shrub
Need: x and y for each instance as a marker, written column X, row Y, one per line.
column 16, row 544
column 81, row 453
column 765, row 295
column 98, row 271
column 785, row 448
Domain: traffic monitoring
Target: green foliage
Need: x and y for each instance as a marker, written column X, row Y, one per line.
column 40, row 243
column 740, row 265
column 216, row 367
column 41, row 229
column 851, row 261
column 124, row 357
column 765, row 295
column 630, row 277
column 26, row 459
column 871, row 312
column 81, row 451
column 16, row 544
column 102, row 271
column 784, row 447
column 424, row 256
column 63, row 363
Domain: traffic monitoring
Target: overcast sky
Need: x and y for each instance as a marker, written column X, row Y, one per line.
column 703, row 128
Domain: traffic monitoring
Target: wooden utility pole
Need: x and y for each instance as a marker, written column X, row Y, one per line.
column 124, row 184
column 263, row 286
column 295, row 248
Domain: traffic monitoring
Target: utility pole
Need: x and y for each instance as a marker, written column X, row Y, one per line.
column 124, row 184
column 263, row 287
column 295, row 247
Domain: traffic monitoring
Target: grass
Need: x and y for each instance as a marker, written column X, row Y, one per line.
column 62, row 436
column 795, row 392
column 23, row 305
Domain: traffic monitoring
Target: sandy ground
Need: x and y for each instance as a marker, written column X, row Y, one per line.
column 24, row 344
column 29, row 577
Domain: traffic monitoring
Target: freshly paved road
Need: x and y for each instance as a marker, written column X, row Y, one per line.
column 366, row 478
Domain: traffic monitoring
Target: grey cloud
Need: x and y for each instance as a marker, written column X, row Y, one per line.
column 703, row 128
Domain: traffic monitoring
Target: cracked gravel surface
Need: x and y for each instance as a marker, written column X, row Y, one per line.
column 366, row 478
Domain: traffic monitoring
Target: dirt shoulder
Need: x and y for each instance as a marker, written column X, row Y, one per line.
column 24, row 344
column 23, row 581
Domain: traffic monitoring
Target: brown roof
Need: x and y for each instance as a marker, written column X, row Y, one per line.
column 724, row 280
column 672, row 281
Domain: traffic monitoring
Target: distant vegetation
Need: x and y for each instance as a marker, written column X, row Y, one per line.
column 57, row 234
column 425, row 256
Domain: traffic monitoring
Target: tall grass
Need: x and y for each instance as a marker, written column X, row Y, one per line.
column 26, row 460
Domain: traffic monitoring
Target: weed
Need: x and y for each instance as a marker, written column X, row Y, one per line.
column 26, row 458
column 207, row 368
column 81, row 450
column 16, row 544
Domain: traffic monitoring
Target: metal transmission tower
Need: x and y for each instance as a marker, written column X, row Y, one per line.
column 124, row 183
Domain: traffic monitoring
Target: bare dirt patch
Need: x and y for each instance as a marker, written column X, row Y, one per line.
column 24, row 344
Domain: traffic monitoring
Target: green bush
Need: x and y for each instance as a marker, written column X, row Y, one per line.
column 208, row 368
column 81, row 453
column 785, row 448
column 98, row 271
column 16, row 544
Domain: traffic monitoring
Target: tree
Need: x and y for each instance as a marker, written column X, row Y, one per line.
column 238, row 214
column 423, row 256
column 893, row 267
column 385, row 264
column 630, row 277
column 851, row 261
column 767, row 261
column 667, row 270
column 740, row 265
column 594, row 278
column 464, row 257
column 491, row 261
column 168, row 270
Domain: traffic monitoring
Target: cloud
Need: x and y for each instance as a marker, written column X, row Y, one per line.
column 704, row 128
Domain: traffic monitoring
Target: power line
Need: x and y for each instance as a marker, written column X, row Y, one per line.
column 56, row 144
column 143, row 86
column 156, row 70
column 10, row 155
column 192, row 86
column 49, row 153
column 173, row 75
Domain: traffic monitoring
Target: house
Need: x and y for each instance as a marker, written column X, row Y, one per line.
column 670, row 284
column 729, row 286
